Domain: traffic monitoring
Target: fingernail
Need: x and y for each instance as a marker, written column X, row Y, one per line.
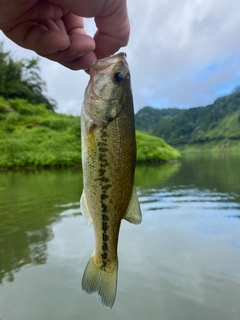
column 87, row 68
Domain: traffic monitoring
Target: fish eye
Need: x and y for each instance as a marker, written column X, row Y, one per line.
column 118, row 77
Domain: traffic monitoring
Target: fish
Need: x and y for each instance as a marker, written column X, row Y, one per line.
column 108, row 163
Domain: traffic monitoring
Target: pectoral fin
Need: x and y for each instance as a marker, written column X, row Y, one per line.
column 133, row 213
column 84, row 208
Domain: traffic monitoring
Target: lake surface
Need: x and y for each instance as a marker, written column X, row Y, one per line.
column 181, row 263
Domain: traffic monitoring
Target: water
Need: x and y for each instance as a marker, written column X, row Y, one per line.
column 181, row 263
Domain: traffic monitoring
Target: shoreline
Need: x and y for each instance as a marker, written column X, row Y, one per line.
column 44, row 167
column 77, row 166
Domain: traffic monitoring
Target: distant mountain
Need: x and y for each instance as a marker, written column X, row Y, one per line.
column 147, row 118
column 218, row 121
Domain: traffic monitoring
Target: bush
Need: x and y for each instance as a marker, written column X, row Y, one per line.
column 154, row 149
column 33, row 136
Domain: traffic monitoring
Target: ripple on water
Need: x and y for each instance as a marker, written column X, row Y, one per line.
column 205, row 200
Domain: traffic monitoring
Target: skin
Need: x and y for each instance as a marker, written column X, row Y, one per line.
column 54, row 29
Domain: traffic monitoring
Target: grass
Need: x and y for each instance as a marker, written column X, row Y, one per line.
column 153, row 149
column 32, row 136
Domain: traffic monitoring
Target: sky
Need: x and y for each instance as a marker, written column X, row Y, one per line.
column 181, row 54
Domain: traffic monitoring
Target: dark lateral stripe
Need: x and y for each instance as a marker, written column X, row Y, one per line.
column 104, row 264
column 104, row 255
column 104, row 207
column 101, row 172
column 105, row 246
column 105, row 185
column 104, row 196
column 105, row 237
column 104, row 226
column 104, row 217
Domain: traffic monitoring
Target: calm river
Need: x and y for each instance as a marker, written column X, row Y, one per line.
column 181, row 263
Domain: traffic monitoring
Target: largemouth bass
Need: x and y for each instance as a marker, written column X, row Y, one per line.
column 108, row 159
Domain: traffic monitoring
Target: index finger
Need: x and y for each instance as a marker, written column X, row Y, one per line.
column 111, row 19
column 113, row 29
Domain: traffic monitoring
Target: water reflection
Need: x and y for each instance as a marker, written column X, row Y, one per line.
column 30, row 202
column 23, row 248
column 148, row 177
column 181, row 263
column 217, row 172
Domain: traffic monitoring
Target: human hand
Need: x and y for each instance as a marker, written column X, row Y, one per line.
column 54, row 29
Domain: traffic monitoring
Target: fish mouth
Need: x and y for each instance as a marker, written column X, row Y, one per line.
column 105, row 63
column 105, row 67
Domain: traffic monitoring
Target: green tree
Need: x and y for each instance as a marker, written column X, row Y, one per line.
column 21, row 79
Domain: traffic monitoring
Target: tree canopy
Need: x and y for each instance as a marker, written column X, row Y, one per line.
column 217, row 121
column 21, row 79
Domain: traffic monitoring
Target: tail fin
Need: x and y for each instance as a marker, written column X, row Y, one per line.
column 100, row 281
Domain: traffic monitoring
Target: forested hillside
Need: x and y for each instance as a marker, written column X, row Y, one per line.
column 147, row 118
column 218, row 121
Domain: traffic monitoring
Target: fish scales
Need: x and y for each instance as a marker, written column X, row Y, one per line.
column 108, row 157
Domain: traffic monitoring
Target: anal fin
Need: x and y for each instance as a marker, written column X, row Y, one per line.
column 133, row 213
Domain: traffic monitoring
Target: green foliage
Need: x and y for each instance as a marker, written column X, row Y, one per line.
column 31, row 135
column 38, row 147
column 147, row 118
column 21, row 79
column 218, row 121
column 153, row 149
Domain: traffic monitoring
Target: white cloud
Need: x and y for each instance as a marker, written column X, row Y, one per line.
column 181, row 53
column 178, row 40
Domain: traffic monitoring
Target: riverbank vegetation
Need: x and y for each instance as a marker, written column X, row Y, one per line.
column 33, row 136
